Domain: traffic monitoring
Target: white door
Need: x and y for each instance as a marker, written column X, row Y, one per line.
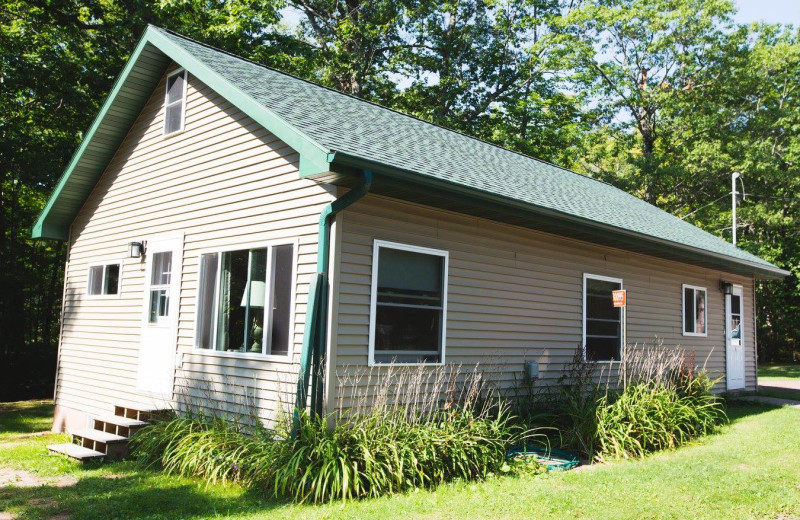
column 160, row 323
column 734, row 338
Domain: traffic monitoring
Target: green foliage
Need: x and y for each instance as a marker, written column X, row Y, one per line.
column 384, row 452
column 360, row 455
column 647, row 417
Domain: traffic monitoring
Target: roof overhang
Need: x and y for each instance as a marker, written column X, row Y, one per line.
column 406, row 185
column 128, row 96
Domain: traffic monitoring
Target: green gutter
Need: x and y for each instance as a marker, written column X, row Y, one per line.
column 314, row 339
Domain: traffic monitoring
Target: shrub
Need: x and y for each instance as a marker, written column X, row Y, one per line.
column 384, row 452
column 657, row 399
column 213, row 449
column 662, row 403
column 399, row 442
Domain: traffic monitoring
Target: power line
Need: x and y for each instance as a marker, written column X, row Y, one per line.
column 704, row 207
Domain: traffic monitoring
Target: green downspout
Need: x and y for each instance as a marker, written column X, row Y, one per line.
column 314, row 337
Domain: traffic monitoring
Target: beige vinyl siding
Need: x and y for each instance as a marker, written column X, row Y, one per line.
column 223, row 182
column 515, row 294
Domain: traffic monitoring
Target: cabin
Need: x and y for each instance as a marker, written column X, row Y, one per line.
column 239, row 237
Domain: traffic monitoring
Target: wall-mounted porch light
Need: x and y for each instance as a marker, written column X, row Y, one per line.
column 726, row 287
column 135, row 249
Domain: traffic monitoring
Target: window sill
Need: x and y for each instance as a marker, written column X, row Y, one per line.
column 390, row 364
column 250, row 356
column 695, row 335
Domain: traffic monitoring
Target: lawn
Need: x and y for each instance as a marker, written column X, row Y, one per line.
column 751, row 470
column 768, row 373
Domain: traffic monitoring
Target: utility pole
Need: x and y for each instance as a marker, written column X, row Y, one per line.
column 734, row 193
column 734, row 176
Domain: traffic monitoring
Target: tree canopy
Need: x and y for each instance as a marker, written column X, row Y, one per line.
column 663, row 98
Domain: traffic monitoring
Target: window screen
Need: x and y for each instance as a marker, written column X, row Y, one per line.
column 103, row 279
column 409, row 306
column 173, row 117
column 244, row 300
column 602, row 321
column 694, row 310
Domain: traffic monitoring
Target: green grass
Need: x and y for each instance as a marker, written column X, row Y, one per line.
column 750, row 470
column 768, row 373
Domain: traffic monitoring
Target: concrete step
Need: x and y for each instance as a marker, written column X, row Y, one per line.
column 76, row 452
column 117, row 425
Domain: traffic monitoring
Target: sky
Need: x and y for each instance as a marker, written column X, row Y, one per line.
column 771, row 11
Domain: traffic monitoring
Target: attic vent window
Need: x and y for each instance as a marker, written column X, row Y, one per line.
column 174, row 101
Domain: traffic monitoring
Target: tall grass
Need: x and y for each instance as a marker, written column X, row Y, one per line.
column 420, row 429
column 655, row 399
column 661, row 401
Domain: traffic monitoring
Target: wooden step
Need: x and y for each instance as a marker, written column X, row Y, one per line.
column 114, row 446
column 76, row 452
column 99, row 436
column 118, row 425
column 140, row 414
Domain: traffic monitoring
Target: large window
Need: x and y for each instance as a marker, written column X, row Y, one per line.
column 244, row 300
column 409, row 300
column 694, row 311
column 174, row 101
column 602, row 327
column 103, row 280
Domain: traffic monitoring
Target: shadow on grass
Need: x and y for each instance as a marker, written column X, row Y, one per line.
column 783, row 371
column 738, row 409
column 139, row 496
column 26, row 416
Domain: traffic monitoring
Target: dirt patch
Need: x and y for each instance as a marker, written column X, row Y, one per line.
column 22, row 478
column 114, row 476
column 43, row 502
column 6, row 516
column 18, row 478
column 60, row 516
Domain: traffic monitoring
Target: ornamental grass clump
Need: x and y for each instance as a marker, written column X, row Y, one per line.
column 661, row 403
column 211, row 448
column 420, row 429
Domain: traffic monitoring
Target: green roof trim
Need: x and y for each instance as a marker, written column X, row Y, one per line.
column 107, row 131
column 333, row 132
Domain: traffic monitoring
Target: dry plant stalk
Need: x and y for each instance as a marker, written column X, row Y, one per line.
column 656, row 364
column 415, row 392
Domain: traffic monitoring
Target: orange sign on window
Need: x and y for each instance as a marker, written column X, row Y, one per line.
column 619, row 298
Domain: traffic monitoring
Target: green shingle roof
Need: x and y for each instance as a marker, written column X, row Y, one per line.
column 322, row 122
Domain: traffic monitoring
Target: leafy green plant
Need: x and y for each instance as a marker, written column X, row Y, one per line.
column 213, row 449
column 394, row 445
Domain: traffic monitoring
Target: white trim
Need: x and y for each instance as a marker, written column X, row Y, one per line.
column 102, row 295
column 264, row 244
column 167, row 104
column 737, row 290
column 583, row 318
column 683, row 310
column 374, row 297
column 173, row 242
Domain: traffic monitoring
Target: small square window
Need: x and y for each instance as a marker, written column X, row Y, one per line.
column 175, row 102
column 103, row 280
column 695, row 314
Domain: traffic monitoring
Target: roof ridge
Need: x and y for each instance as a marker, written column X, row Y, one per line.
column 378, row 105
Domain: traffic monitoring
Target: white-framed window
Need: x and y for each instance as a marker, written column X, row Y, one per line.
column 160, row 284
column 695, row 313
column 245, row 300
column 175, row 102
column 408, row 307
column 602, row 322
column 104, row 279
